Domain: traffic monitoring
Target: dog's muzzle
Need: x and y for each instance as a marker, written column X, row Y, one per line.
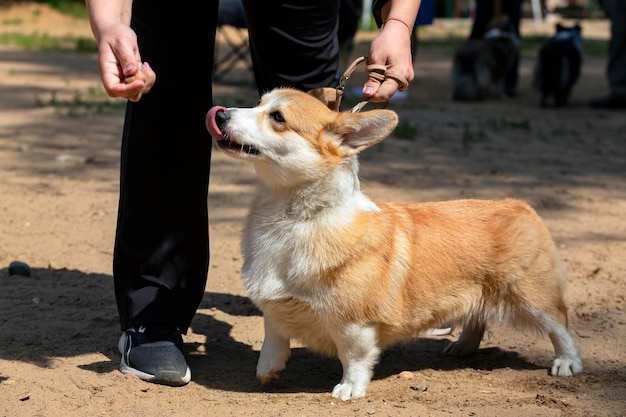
column 216, row 119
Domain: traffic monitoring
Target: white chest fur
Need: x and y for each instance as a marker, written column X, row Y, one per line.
column 288, row 245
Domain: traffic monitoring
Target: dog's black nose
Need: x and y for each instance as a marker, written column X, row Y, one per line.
column 221, row 117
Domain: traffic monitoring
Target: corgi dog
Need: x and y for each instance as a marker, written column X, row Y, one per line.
column 349, row 276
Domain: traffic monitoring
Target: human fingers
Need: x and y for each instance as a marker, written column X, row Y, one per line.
column 396, row 78
column 118, row 56
column 392, row 83
column 130, row 87
column 393, row 80
column 391, row 48
column 122, row 71
column 139, row 83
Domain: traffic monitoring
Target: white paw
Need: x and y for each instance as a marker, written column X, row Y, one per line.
column 566, row 367
column 268, row 369
column 346, row 390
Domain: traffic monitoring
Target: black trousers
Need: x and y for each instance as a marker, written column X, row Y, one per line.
column 616, row 66
column 161, row 252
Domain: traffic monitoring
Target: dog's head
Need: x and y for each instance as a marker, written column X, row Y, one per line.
column 293, row 137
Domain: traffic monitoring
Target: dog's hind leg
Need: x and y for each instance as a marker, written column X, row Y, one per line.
column 274, row 354
column 550, row 317
column 544, row 308
column 568, row 361
column 357, row 348
column 468, row 341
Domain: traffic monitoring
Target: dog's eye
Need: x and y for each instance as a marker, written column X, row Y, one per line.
column 277, row 116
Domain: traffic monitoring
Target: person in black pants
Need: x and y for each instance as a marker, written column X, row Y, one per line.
column 616, row 66
column 161, row 249
column 485, row 11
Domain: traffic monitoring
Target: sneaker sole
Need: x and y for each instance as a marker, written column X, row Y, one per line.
column 170, row 378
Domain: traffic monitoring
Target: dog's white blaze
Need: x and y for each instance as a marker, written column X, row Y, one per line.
column 243, row 127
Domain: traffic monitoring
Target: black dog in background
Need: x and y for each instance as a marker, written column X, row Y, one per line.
column 558, row 66
column 481, row 64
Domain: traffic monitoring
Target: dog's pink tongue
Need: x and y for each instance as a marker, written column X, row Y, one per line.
column 211, row 124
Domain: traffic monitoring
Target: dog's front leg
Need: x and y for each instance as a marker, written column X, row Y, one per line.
column 274, row 353
column 357, row 348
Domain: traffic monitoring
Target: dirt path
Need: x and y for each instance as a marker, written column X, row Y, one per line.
column 59, row 140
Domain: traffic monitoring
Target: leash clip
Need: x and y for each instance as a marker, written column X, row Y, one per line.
column 341, row 87
column 377, row 72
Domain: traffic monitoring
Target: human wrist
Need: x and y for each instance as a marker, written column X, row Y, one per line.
column 106, row 14
column 399, row 21
column 405, row 10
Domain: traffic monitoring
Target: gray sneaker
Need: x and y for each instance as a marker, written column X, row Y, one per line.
column 155, row 354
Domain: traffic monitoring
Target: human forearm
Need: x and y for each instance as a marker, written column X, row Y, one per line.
column 122, row 71
column 404, row 10
column 392, row 46
column 105, row 13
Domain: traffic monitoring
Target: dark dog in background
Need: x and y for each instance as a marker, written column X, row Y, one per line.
column 480, row 64
column 558, row 66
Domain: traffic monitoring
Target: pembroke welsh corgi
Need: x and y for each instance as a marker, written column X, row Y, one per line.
column 349, row 276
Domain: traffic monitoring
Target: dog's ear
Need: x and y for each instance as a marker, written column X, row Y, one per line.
column 326, row 95
column 359, row 131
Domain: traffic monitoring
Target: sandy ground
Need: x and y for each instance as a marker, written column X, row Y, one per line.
column 59, row 160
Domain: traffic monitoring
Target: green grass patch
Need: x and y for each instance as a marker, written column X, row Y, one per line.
column 74, row 8
column 470, row 136
column 406, row 130
column 564, row 131
column 94, row 100
column 44, row 42
column 503, row 123
column 596, row 48
column 12, row 22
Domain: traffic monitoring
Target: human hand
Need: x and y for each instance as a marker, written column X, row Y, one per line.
column 391, row 47
column 121, row 70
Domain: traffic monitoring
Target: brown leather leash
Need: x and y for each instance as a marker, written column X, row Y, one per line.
column 376, row 72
